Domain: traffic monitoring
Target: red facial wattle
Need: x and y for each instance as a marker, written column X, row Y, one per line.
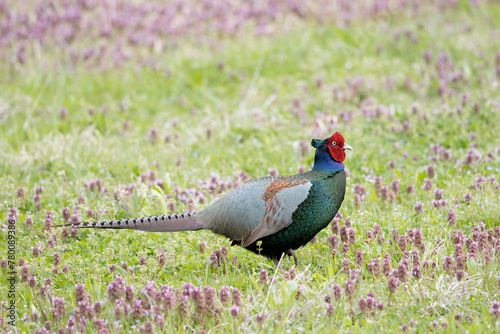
column 337, row 153
column 335, row 146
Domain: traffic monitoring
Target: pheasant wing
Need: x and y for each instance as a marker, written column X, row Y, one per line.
column 282, row 198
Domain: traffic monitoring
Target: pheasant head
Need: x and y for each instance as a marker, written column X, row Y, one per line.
column 330, row 151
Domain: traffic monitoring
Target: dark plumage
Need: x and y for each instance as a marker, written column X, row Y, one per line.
column 283, row 213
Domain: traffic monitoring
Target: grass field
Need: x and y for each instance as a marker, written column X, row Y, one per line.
column 104, row 120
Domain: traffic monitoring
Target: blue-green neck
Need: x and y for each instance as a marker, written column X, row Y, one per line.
column 323, row 161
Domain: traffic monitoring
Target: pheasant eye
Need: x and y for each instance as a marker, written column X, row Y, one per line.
column 334, row 143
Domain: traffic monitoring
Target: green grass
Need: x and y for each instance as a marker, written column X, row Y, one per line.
column 261, row 76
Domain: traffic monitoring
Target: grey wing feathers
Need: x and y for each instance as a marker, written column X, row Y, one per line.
column 245, row 215
column 279, row 211
column 239, row 212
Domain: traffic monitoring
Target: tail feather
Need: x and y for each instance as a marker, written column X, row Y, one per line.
column 186, row 221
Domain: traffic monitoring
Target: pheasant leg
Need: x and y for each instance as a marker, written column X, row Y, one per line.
column 291, row 253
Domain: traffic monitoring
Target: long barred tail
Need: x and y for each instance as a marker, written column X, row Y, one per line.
column 186, row 221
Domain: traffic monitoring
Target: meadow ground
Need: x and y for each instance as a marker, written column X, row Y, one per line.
column 115, row 109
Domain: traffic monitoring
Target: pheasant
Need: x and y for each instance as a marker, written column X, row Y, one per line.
column 270, row 216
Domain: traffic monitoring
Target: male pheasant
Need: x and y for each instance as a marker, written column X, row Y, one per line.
column 283, row 213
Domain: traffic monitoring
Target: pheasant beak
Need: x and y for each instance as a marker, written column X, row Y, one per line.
column 347, row 147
